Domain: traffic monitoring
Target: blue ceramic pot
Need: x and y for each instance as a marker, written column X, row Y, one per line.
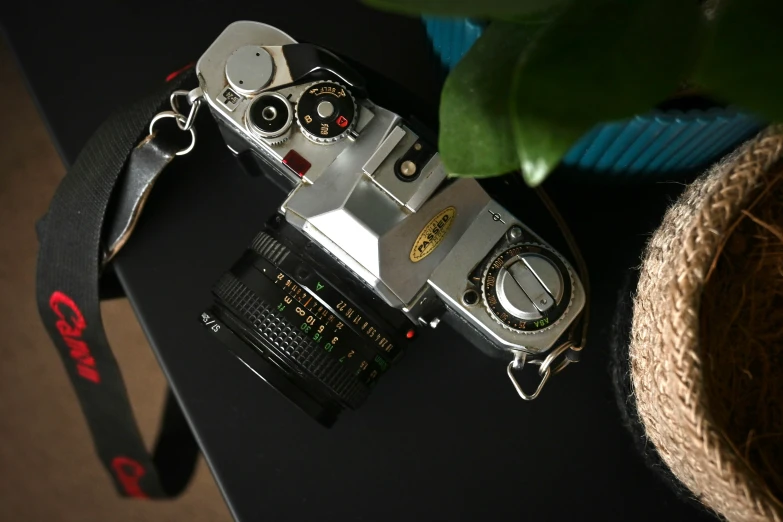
column 660, row 142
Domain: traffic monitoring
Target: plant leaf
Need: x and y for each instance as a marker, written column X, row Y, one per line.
column 488, row 9
column 740, row 62
column 599, row 60
column 476, row 138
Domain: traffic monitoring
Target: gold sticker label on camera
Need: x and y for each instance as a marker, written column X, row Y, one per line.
column 432, row 234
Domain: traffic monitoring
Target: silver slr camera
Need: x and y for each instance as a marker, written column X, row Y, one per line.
column 373, row 239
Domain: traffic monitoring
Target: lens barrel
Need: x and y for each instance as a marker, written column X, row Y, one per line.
column 321, row 346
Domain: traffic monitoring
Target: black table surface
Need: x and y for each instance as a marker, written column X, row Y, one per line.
column 444, row 436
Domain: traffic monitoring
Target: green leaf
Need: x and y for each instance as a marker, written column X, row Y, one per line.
column 476, row 138
column 741, row 61
column 488, row 9
column 599, row 60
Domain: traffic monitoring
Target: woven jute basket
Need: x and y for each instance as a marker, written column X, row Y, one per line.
column 672, row 368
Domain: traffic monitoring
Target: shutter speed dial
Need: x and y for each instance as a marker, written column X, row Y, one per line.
column 326, row 112
column 527, row 288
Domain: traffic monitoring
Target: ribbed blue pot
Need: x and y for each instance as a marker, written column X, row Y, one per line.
column 659, row 142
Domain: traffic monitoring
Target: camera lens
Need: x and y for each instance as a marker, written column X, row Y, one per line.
column 285, row 320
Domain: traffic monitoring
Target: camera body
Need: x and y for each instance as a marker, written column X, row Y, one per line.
column 371, row 209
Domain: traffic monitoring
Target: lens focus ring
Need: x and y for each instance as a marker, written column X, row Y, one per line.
column 275, row 329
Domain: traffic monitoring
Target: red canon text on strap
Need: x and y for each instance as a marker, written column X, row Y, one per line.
column 71, row 324
column 129, row 472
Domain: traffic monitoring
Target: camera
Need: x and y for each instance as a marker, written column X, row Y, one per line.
column 373, row 240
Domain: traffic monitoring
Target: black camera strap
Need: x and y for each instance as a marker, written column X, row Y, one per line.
column 73, row 248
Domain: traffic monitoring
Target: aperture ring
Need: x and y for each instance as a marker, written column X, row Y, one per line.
column 269, row 248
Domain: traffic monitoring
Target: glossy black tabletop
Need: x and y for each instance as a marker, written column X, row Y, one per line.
column 443, row 436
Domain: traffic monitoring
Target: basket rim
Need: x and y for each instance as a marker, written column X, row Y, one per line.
column 674, row 408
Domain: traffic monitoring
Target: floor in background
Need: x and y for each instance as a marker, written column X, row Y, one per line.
column 48, row 468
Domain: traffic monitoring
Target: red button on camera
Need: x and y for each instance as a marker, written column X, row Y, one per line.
column 294, row 161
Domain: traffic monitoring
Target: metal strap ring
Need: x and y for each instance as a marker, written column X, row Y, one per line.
column 518, row 364
column 178, row 117
column 185, row 123
column 554, row 354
